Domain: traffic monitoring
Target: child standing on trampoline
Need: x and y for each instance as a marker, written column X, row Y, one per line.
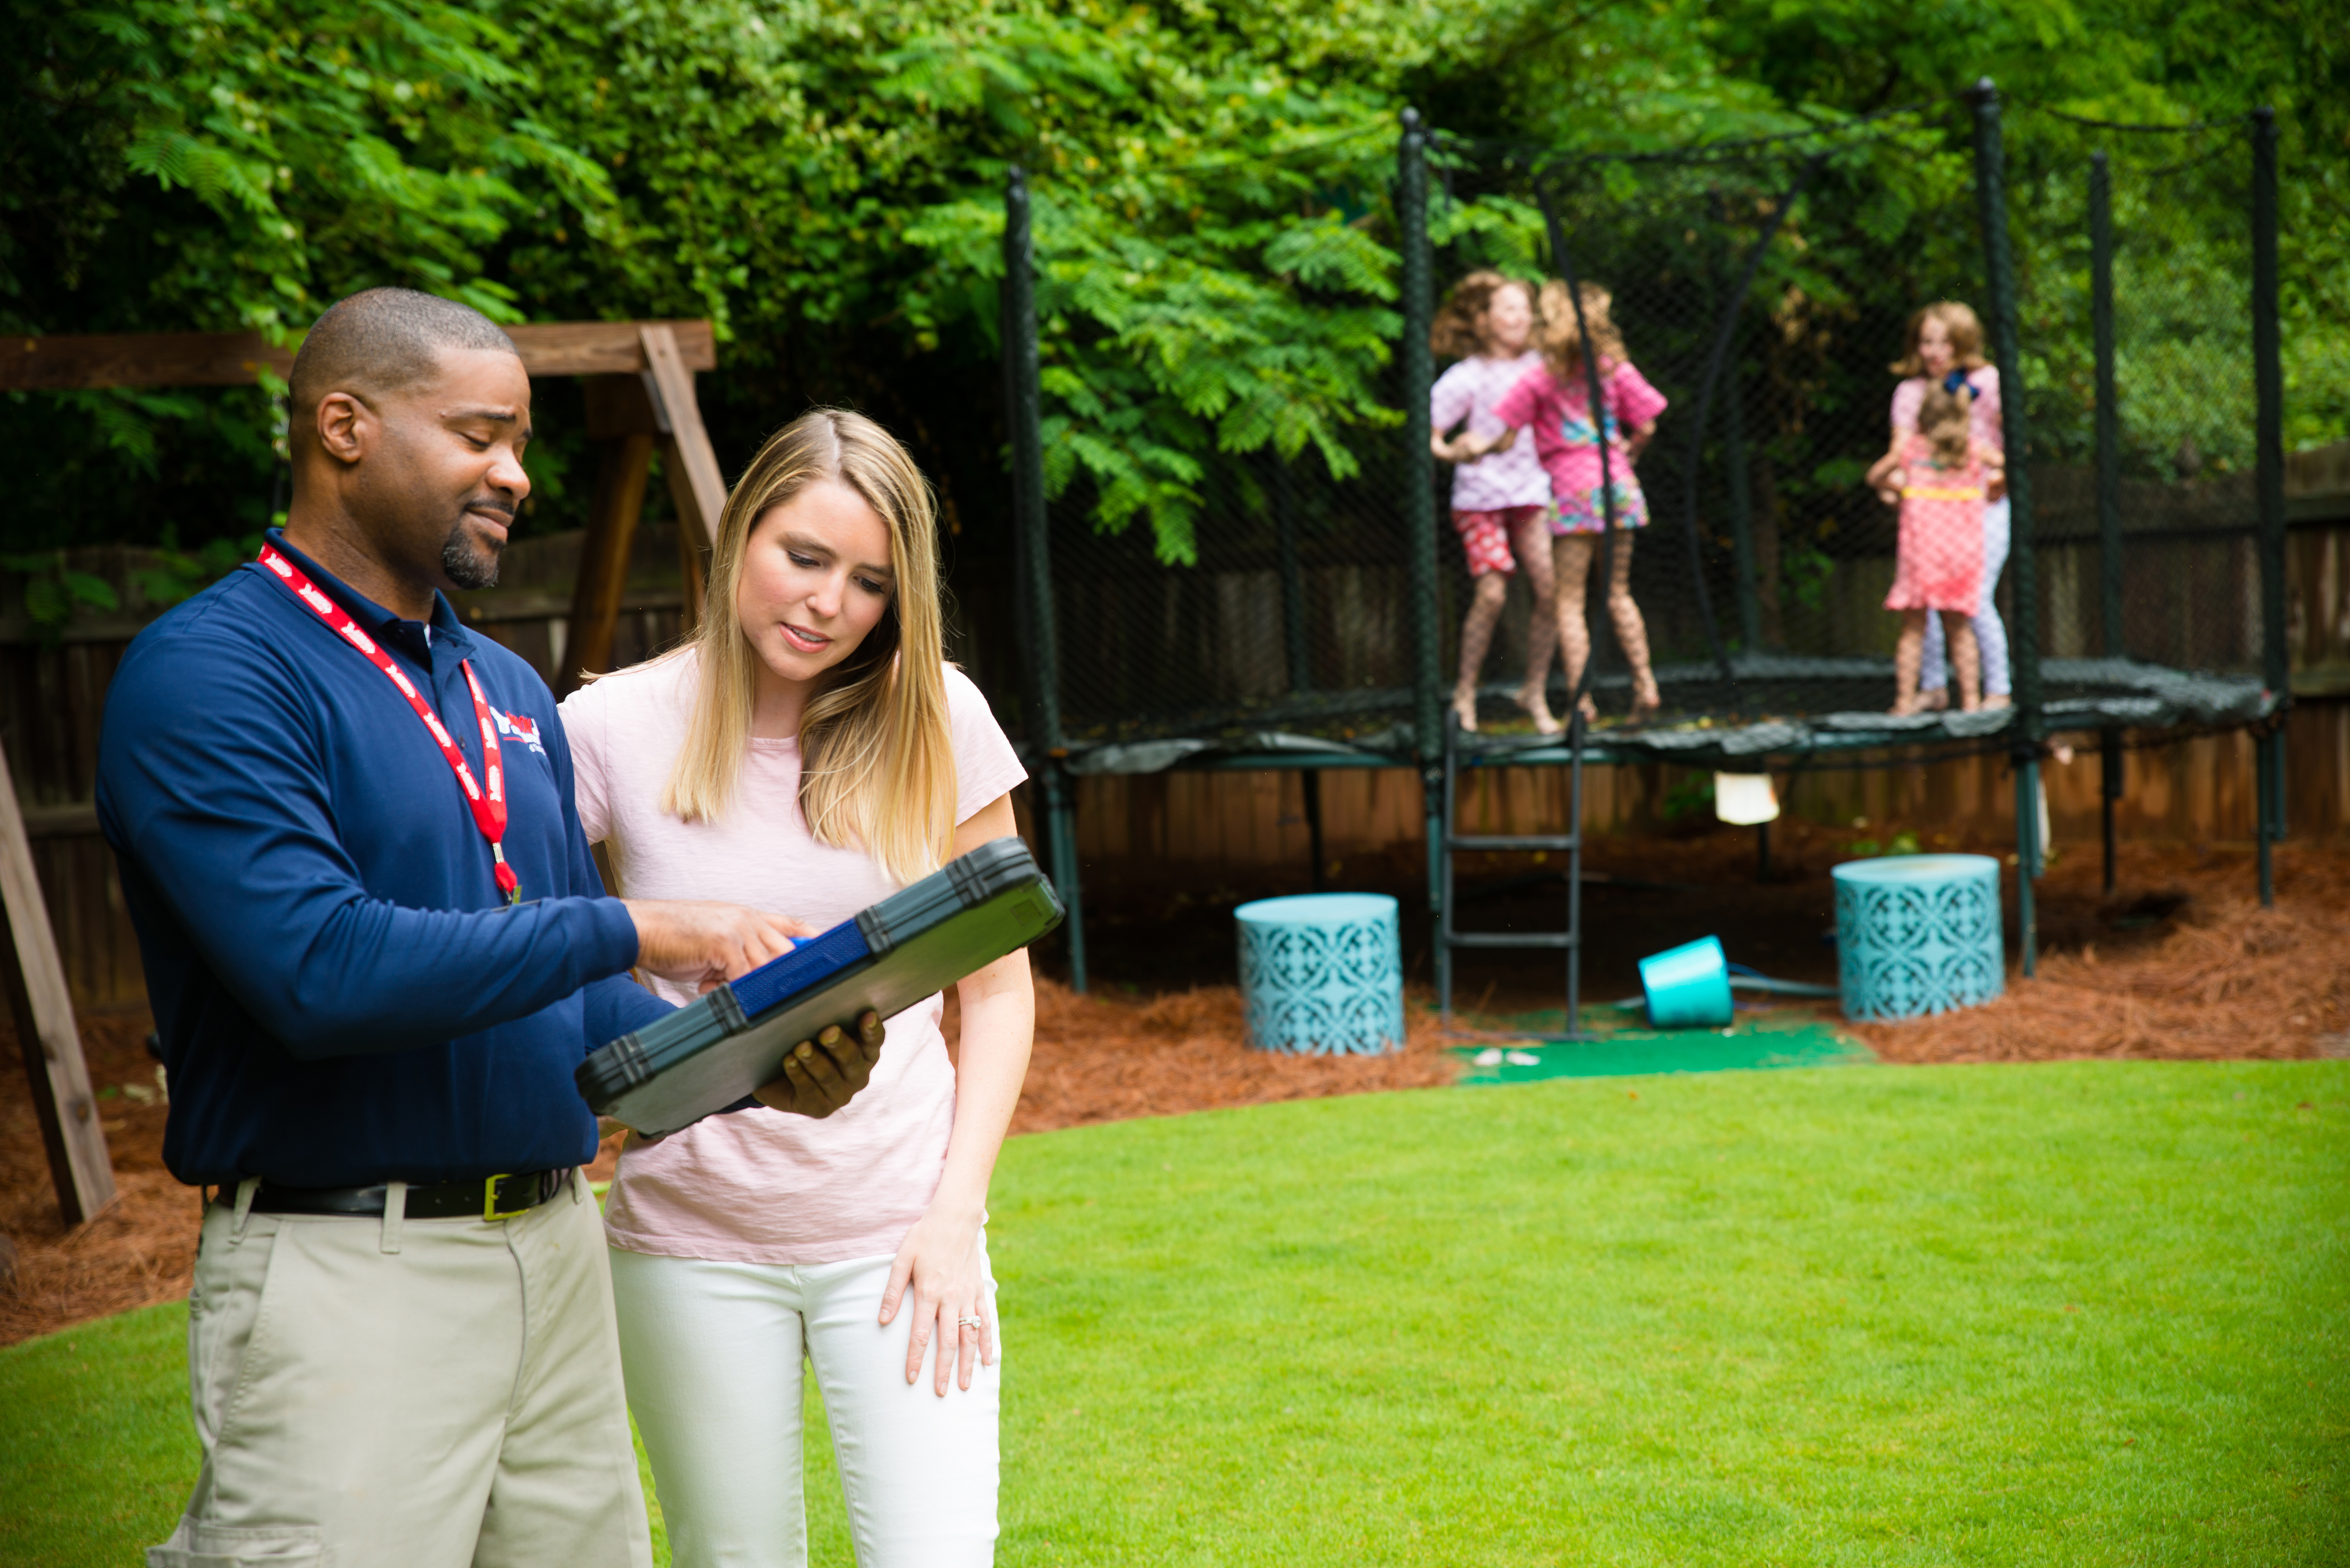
column 1943, row 474
column 1555, row 398
column 1946, row 351
column 1488, row 325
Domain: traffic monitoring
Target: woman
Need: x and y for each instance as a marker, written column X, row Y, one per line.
column 1946, row 349
column 808, row 752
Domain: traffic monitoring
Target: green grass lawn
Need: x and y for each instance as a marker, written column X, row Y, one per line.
column 2082, row 1313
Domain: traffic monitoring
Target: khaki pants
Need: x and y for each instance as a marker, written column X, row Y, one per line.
column 425, row 1394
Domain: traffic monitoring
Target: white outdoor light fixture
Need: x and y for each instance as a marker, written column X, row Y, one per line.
column 1746, row 800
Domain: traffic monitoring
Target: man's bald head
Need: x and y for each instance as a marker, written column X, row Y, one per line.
column 409, row 422
column 383, row 341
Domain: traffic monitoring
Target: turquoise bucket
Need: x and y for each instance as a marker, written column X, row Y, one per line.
column 1687, row 987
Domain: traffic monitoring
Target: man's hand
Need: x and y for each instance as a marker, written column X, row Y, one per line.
column 705, row 945
column 823, row 1074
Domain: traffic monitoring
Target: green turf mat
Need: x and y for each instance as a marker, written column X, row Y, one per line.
column 1782, row 1036
column 2079, row 1314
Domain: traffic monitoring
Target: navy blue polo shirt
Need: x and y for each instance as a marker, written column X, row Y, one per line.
column 343, row 995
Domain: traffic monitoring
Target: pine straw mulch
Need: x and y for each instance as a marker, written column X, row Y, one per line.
column 1102, row 1058
column 143, row 1248
column 2226, row 978
column 2193, row 968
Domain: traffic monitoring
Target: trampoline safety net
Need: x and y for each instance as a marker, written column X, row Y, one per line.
column 1764, row 288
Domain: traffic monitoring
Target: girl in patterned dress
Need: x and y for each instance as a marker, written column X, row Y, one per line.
column 1555, row 398
column 1488, row 325
column 1943, row 474
column 1946, row 347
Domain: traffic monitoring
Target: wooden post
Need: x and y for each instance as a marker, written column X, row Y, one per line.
column 695, row 483
column 604, row 556
column 43, row 1011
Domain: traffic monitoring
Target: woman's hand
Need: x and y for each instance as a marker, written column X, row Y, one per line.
column 939, row 1278
column 1638, row 440
column 823, row 1074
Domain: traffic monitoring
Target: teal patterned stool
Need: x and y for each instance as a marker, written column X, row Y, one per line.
column 1919, row 934
column 1322, row 973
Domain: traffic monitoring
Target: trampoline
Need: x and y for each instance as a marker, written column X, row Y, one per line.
column 1762, row 285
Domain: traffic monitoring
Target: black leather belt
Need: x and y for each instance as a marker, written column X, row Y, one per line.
column 492, row 1198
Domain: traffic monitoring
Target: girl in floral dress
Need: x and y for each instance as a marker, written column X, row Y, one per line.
column 1944, row 475
column 1555, row 398
column 1488, row 325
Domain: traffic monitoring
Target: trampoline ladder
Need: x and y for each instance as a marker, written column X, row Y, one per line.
column 1448, row 938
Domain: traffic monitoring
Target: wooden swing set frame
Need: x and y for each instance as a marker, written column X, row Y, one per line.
column 641, row 399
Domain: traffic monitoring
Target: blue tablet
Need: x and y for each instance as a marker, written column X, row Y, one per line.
column 711, row 1053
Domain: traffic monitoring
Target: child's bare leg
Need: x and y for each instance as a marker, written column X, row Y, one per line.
column 1571, row 564
column 1966, row 656
column 1476, row 638
column 1909, row 652
column 1532, row 545
column 1631, row 631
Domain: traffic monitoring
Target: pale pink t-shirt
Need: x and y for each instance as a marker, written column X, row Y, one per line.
column 761, row 1186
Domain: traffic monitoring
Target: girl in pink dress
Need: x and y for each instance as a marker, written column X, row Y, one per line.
column 1943, row 473
column 1555, row 398
column 1946, row 349
column 1488, row 325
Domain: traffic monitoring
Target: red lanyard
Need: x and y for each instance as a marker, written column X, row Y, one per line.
column 489, row 809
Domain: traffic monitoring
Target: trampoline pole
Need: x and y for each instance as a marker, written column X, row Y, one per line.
column 1419, row 483
column 2109, row 764
column 1309, row 788
column 2023, row 634
column 2109, row 479
column 1023, row 415
column 2268, row 376
column 1574, row 870
column 2108, row 412
column 2027, row 862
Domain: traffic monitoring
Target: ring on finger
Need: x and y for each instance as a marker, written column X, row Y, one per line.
column 980, row 1323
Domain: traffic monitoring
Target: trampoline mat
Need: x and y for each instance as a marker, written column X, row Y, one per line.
column 1776, row 706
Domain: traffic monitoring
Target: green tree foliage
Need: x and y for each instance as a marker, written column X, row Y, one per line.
column 822, row 179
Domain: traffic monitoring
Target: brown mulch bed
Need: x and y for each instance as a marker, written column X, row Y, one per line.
column 2182, row 964
column 1104, row 1059
column 2225, row 980
column 143, row 1248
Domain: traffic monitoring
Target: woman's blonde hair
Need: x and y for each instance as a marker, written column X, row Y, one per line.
column 1561, row 339
column 1454, row 334
column 1965, row 330
column 877, row 759
column 1943, row 421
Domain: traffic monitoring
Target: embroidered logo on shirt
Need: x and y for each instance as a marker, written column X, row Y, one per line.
column 523, row 730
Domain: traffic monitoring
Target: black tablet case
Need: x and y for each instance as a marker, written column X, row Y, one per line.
column 714, row 1051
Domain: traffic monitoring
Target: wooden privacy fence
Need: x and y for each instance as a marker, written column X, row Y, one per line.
column 634, row 589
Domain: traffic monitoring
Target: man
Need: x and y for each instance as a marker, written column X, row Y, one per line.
column 377, row 948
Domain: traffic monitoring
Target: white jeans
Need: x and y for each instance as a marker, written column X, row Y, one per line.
column 1991, row 632
column 713, row 1354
